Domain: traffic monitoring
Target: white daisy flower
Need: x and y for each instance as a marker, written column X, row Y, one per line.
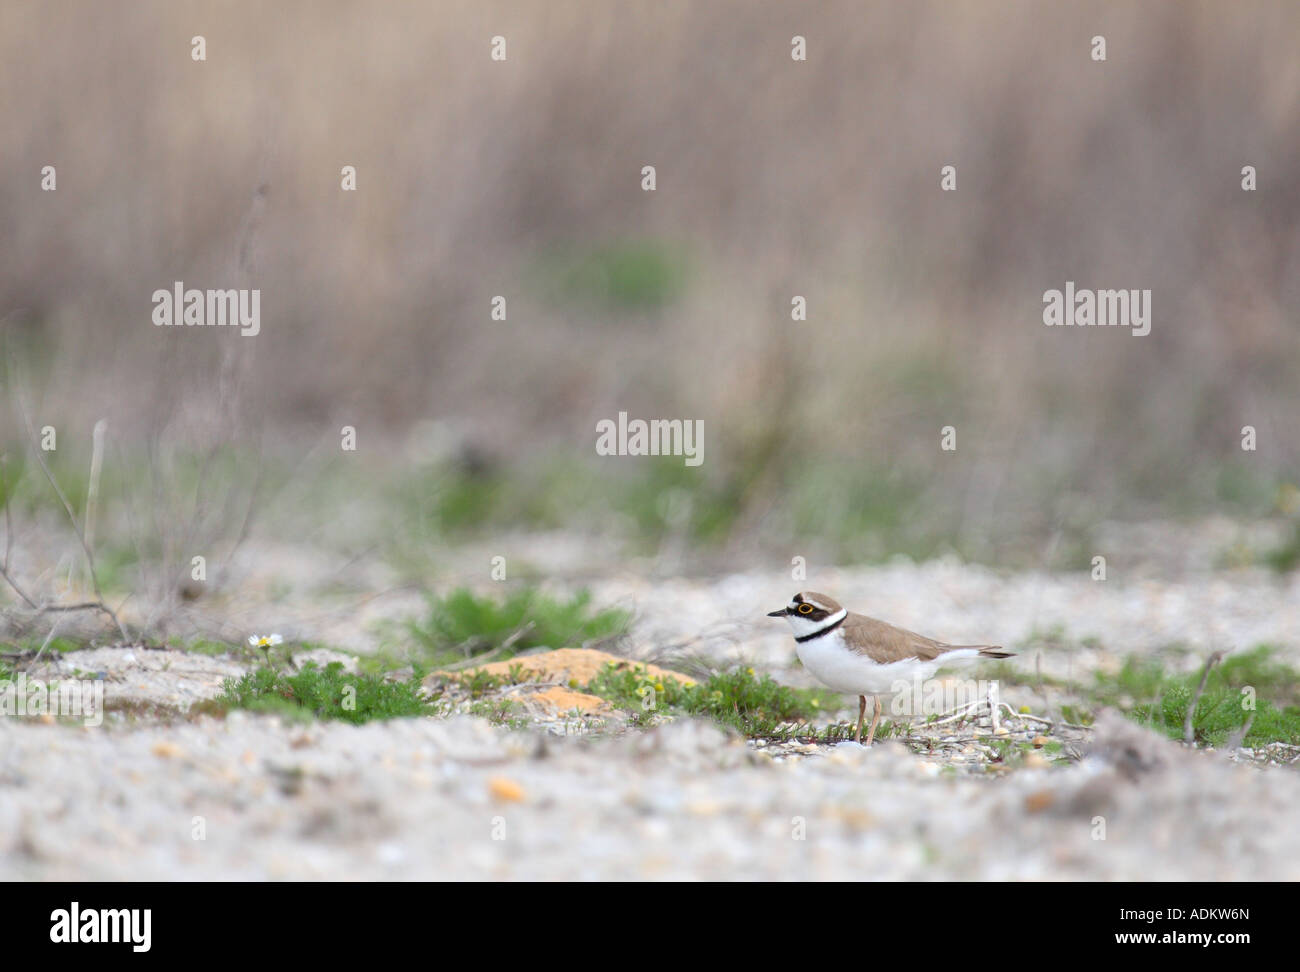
column 264, row 641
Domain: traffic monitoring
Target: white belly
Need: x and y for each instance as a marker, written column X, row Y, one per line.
column 830, row 661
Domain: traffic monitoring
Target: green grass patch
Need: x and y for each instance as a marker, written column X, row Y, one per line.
column 59, row 645
column 757, row 707
column 1286, row 556
column 462, row 624
column 1147, row 694
column 622, row 276
column 209, row 646
column 323, row 693
column 661, row 497
column 501, row 712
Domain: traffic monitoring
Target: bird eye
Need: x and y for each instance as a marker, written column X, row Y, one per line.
column 805, row 609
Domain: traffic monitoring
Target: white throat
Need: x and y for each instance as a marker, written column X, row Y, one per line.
column 803, row 627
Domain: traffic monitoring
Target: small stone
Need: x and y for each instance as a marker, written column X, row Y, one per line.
column 1039, row 801
column 505, row 789
column 704, row 808
column 166, row 749
column 846, row 754
column 856, row 819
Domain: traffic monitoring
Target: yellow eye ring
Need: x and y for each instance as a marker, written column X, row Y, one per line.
column 805, row 609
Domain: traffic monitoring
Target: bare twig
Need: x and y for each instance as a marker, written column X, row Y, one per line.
column 82, row 606
column 1025, row 716
column 4, row 572
column 958, row 714
column 9, row 542
column 1239, row 735
column 1038, row 669
column 1214, row 659
column 472, row 662
column 72, row 518
column 5, row 569
column 509, row 642
column 92, row 489
column 48, row 638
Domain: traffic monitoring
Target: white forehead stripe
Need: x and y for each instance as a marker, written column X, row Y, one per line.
column 805, row 627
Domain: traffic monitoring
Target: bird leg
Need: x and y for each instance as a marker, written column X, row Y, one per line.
column 871, row 734
column 862, row 711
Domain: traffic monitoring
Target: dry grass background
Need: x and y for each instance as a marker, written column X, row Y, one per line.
column 774, row 178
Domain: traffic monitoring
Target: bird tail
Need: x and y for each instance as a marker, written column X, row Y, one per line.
column 985, row 651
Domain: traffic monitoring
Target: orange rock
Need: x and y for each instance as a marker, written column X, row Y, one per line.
column 505, row 789
column 560, row 700
column 565, row 665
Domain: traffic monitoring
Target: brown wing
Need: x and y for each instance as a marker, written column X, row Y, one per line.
column 885, row 643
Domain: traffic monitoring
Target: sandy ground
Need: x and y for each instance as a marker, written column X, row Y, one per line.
column 250, row 797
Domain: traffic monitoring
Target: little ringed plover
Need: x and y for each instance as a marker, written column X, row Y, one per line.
column 861, row 656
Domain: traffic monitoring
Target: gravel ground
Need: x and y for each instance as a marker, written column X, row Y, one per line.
column 459, row 798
